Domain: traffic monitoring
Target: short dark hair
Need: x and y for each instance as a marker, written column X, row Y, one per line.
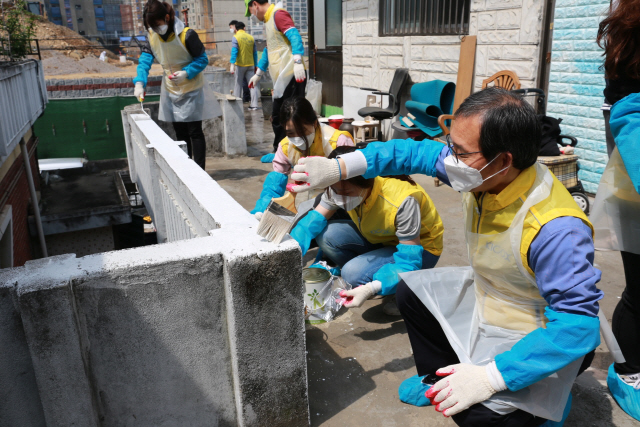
column 300, row 112
column 509, row 124
column 154, row 11
column 260, row 1
column 234, row 22
column 239, row 25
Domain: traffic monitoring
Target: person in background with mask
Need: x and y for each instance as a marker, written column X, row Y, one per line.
column 244, row 57
column 616, row 212
column 394, row 228
column 185, row 99
column 527, row 307
column 282, row 56
column 305, row 136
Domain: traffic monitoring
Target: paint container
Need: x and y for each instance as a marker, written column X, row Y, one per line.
column 317, row 295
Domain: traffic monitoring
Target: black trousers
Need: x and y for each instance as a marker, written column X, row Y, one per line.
column 191, row 133
column 432, row 351
column 292, row 90
column 626, row 317
column 246, row 94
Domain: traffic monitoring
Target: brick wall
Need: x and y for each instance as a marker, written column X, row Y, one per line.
column 576, row 83
column 16, row 184
column 508, row 38
column 98, row 87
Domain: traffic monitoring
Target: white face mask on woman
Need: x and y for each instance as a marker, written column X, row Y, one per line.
column 348, row 203
column 463, row 177
column 162, row 29
column 299, row 141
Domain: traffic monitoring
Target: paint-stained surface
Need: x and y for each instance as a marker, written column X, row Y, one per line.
column 576, row 83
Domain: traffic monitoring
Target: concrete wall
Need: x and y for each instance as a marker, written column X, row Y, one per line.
column 204, row 331
column 576, row 83
column 508, row 39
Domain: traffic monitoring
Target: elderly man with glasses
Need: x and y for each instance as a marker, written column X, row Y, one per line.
column 500, row 341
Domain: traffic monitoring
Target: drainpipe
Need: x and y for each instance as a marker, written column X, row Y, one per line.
column 34, row 196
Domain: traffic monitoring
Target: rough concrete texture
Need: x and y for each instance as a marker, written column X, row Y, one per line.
column 19, row 397
column 156, row 336
column 357, row 361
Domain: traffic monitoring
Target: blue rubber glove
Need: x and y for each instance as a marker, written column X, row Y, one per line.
column 625, row 128
column 402, row 157
column 307, row 229
column 268, row 158
column 406, row 258
column 263, row 64
column 275, row 185
column 196, row 66
column 544, row 351
column 144, row 65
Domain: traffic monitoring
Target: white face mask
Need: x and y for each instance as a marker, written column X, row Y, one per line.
column 162, row 29
column 463, row 177
column 299, row 141
column 348, row 203
column 231, row 30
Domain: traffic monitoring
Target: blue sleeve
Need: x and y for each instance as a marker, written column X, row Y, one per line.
column 561, row 256
column 196, row 66
column 402, row 157
column 625, row 128
column 144, row 65
column 406, row 258
column 275, row 184
column 234, row 50
column 307, row 229
column 566, row 338
column 297, row 48
column 255, row 55
column 264, row 60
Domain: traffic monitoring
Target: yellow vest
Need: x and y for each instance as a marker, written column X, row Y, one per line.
column 325, row 141
column 245, row 49
column 376, row 216
column 492, row 214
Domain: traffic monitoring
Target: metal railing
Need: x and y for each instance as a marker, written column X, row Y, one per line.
column 23, row 97
column 183, row 200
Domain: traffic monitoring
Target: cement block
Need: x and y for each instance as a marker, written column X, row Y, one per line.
column 235, row 140
column 20, row 400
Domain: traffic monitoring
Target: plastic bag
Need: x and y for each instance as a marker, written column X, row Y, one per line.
column 328, row 301
column 314, row 95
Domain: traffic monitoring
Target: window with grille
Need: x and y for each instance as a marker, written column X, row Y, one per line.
column 423, row 17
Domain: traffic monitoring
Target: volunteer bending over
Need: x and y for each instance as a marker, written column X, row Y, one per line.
column 185, row 100
column 527, row 306
column 394, row 228
column 305, row 136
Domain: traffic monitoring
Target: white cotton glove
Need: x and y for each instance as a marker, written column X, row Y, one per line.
column 464, row 385
column 138, row 92
column 178, row 77
column 232, row 68
column 299, row 73
column 315, row 172
column 255, row 79
column 357, row 296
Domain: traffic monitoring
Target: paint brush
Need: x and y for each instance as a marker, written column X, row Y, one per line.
column 277, row 219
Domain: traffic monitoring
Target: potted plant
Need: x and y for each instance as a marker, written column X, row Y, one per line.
column 17, row 28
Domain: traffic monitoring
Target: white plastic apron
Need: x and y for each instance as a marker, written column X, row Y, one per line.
column 616, row 211
column 280, row 55
column 190, row 101
column 458, row 298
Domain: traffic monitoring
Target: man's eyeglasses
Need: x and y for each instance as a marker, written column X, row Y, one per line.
column 456, row 154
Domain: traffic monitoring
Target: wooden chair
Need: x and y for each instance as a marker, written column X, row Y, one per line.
column 441, row 120
column 504, row 79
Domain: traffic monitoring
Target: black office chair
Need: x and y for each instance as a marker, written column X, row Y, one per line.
column 397, row 85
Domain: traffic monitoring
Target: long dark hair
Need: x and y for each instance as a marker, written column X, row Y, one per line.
column 156, row 11
column 300, row 112
column 619, row 36
column 359, row 181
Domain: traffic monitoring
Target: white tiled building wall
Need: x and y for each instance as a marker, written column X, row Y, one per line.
column 509, row 34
